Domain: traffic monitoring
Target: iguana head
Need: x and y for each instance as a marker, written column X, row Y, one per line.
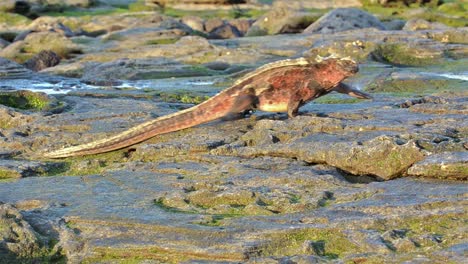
column 331, row 71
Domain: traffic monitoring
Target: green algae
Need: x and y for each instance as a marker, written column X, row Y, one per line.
column 35, row 248
column 451, row 36
column 448, row 226
column 9, row 174
column 454, row 8
column 7, row 123
column 189, row 71
column 163, row 203
column 402, row 54
column 405, row 87
column 54, row 169
column 35, row 43
column 208, row 199
column 330, row 99
column 450, row 14
column 444, row 171
column 164, row 41
column 207, row 14
column 87, row 165
column 12, row 19
column 333, row 243
column 140, row 6
column 181, row 96
column 42, row 255
column 74, row 12
column 447, row 20
column 25, row 100
column 154, row 253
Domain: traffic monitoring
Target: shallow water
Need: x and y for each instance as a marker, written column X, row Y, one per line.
column 209, row 84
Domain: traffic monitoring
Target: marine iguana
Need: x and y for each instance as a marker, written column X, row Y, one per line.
column 282, row 86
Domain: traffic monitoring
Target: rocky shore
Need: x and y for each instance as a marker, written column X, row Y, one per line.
column 346, row 181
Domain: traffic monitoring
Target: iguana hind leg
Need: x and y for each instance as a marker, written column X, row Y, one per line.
column 244, row 103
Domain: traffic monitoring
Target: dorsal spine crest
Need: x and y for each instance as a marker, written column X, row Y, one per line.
column 277, row 64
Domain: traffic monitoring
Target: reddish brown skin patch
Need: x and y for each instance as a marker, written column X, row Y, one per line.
column 297, row 85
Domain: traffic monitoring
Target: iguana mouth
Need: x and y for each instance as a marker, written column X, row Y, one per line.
column 349, row 66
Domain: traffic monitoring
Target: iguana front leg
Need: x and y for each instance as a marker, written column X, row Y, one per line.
column 293, row 107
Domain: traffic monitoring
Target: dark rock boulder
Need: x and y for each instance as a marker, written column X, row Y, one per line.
column 242, row 25
column 15, row 6
column 42, row 60
column 225, row 31
column 22, row 35
column 212, row 24
column 3, row 43
column 395, row 24
column 174, row 24
column 343, row 19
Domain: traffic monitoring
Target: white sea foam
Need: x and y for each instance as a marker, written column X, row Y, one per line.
column 459, row 76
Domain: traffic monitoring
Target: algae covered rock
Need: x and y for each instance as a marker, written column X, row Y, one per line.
column 384, row 157
column 53, row 24
column 408, row 54
column 54, row 5
column 13, row 22
column 36, row 42
column 33, row 43
column 444, row 165
column 19, row 242
column 141, row 69
column 25, row 100
column 15, row 6
column 284, row 17
column 11, row 169
column 451, row 36
column 356, row 49
column 401, row 82
column 422, row 24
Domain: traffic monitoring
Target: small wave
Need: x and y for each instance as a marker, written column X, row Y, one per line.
column 461, row 76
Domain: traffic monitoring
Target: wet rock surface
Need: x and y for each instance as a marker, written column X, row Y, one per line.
column 348, row 180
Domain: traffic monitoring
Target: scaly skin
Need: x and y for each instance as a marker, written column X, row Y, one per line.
column 278, row 87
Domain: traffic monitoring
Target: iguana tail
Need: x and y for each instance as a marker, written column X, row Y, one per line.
column 212, row 109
